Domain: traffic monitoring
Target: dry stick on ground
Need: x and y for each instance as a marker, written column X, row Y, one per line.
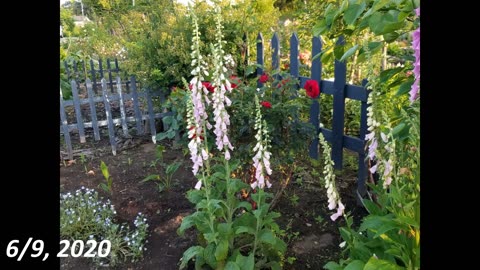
column 283, row 187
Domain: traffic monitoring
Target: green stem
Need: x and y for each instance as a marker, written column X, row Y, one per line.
column 230, row 200
column 259, row 221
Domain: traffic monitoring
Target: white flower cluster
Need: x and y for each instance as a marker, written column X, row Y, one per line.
column 261, row 160
column 222, row 85
column 85, row 207
column 198, row 118
column 332, row 193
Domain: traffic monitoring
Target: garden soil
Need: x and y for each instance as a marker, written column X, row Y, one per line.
column 313, row 238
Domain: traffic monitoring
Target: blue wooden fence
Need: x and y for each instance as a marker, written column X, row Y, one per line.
column 339, row 89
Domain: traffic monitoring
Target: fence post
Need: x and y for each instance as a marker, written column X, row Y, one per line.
column 123, row 116
column 108, row 113
column 259, row 58
column 338, row 117
column 275, row 43
column 110, row 75
column 92, row 73
column 138, row 114
column 116, row 66
column 294, row 64
column 93, row 110
column 78, row 112
column 100, row 68
column 66, row 133
column 315, row 74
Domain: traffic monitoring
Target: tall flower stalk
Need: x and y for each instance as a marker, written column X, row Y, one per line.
column 334, row 200
column 261, row 162
column 198, row 123
column 219, row 103
column 416, row 65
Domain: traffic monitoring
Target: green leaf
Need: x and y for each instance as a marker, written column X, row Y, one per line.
column 346, row 235
column 170, row 134
column 355, row 265
column 378, row 4
column 332, row 266
column 338, row 51
column 373, row 222
column 104, row 169
column 189, row 254
column 266, row 236
column 246, row 263
column 246, row 219
column 408, row 220
column 405, row 87
column 250, row 263
column 398, row 128
column 349, row 53
column 390, row 37
column 172, row 168
column 232, row 266
column 378, row 264
column 187, row 222
column 371, row 207
column 385, row 228
column 209, row 257
column 250, row 70
column 245, row 205
column 225, row 228
column 236, row 185
column 373, row 47
column 221, row 251
column 244, row 229
column 167, row 119
column 210, row 237
column 194, row 196
column 329, row 14
column 150, row 178
column 353, row 12
column 280, row 245
column 162, row 135
column 320, row 28
column 389, row 73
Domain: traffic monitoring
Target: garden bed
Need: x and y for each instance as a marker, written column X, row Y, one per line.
column 312, row 238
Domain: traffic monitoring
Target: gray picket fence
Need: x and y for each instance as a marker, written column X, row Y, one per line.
column 136, row 97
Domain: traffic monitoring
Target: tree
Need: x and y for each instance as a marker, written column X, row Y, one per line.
column 66, row 21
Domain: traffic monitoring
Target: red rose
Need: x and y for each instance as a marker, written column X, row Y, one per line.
column 263, row 78
column 234, row 81
column 266, row 104
column 209, row 86
column 313, row 90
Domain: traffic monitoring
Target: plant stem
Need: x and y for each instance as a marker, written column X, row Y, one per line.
column 230, row 199
column 259, row 220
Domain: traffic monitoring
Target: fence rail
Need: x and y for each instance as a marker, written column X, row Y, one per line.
column 110, row 122
column 339, row 89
